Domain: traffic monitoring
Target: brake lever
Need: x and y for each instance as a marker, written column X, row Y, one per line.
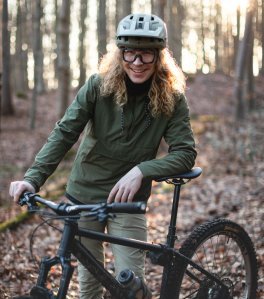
column 28, row 199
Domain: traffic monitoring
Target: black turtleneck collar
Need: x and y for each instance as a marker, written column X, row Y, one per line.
column 137, row 88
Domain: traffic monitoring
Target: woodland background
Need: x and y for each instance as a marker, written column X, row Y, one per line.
column 49, row 48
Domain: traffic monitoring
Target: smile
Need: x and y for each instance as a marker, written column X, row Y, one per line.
column 137, row 71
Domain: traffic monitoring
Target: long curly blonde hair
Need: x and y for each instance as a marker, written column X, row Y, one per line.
column 168, row 81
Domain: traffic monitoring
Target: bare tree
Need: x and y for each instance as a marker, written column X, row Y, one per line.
column 218, row 22
column 158, row 8
column 38, row 59
column 63, row 56
column 7, row 106
column 20, row 65
column 82, row 63
column 123, row 8
column 101, row 28
column 175, row 17
column 243, row 59
column 1, row 61
column 262, row 36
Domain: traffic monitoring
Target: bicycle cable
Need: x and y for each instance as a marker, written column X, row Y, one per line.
column 52, row 217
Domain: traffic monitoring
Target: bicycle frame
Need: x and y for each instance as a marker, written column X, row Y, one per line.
column 164, row 255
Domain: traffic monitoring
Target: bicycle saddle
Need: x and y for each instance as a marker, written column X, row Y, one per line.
column 192, row 174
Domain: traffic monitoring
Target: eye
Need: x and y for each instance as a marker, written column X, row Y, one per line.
column 130, row 52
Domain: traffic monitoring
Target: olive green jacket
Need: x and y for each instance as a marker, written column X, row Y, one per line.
column 114, row 142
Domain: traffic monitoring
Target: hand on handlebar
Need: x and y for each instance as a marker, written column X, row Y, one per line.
column 125, row 189
column 18, row 187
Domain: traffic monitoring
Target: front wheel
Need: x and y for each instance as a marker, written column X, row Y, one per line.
column 224, row 249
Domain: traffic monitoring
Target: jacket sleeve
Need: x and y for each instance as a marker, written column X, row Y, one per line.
column 179, row 137
column 64, row 136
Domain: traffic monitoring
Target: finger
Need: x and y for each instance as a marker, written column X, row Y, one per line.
column 11, row 187
column 125, row 195
column 18, row 192
column 119, row 195
column 112, row 194
column 16, row 196
column 130, row 196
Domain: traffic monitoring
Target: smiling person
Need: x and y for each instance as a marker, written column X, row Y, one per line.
column 136, row 98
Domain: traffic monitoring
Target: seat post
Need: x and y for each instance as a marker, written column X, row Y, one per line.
column 171, row 237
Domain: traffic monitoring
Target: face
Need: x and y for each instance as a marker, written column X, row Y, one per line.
column 139, row 64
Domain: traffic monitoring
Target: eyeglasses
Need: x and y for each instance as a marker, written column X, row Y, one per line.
column 146, row 56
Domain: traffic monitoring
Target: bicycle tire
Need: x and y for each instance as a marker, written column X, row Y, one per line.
column 216, row 245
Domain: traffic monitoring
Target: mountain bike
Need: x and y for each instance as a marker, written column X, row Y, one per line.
column 216, row 261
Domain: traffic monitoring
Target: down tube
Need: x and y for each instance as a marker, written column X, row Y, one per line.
column 97, row 269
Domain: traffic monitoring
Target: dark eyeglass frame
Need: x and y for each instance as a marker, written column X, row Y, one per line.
column 139, row 55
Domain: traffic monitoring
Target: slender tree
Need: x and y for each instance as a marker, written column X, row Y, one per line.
column 218, row 22
column 20, row 65
column 1, row 61
column 63, row 56
column 158, row 8
column 262, row 36
column 123, row 8
column 101, row 28
column 7, row 106
column 243, row 59
column 175, row 17
column 38, row 59
column 82, row 34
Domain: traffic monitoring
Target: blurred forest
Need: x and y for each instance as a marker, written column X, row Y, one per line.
column 49, row 48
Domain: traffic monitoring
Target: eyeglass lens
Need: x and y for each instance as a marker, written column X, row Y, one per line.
column 146, row 56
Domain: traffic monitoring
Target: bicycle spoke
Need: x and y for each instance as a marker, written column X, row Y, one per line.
column 222, row 257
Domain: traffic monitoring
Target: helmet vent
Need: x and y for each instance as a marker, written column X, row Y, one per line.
column 154, row 26
column 141, row 19
column 140, row 26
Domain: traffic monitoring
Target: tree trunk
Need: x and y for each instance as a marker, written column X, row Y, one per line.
column 242, row 59
column 82, row 60
column 38, row 59
column 218, row 22
column 55, row 40
column 236, row 37
column 262, row 37
column 175, row 16
column 101, row 28
column 202, row 31
column 20, row 65
column 158, row 8
column 63, row 56
column 7, row 106
column 1, row 61
column 250, row 94
column 123, row 8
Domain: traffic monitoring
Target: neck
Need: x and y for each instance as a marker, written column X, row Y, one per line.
column 137, row 88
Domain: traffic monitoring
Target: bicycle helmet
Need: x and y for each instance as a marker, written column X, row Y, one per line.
column 141, row 31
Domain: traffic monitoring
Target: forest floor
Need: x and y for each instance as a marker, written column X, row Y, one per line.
column 232, row 184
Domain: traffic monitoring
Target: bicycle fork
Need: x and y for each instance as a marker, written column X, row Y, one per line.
column 63, row 258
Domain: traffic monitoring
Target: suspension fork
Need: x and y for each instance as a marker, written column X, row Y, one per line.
column 63, row 258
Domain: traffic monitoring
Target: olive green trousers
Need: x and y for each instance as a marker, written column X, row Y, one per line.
column 124, row 225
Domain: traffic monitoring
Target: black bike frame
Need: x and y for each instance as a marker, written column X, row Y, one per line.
column 164, row 255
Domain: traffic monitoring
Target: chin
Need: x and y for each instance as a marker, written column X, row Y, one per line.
column 138, row 79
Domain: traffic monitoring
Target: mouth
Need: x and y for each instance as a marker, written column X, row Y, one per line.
column 137, row 71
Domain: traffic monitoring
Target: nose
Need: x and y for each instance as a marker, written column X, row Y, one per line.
column 138, row 61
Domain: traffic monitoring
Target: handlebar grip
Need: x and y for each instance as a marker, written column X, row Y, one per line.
column 131, row 208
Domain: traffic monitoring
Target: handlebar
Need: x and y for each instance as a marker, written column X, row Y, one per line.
column 66, row 209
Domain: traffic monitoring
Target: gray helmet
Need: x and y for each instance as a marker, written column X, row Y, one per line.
column 141, row 31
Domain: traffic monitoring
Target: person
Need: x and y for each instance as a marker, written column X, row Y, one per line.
column 136, row 99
